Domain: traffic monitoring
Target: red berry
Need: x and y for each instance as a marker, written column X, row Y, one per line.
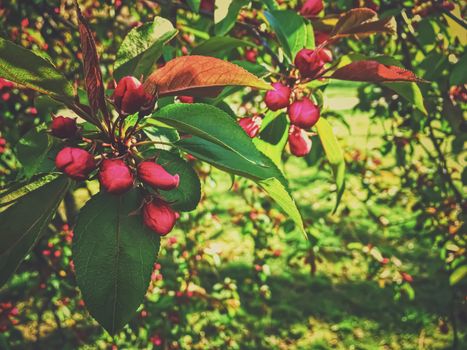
column 115, row 176
column 129, row 97
column 311, row 8
column 63, row 127
column 251, row 125
column 299, row 142
column 311, row 62
column 303, row 113
column 75, row 162
column 156, row 176
column 277, row 98
column 159, row 216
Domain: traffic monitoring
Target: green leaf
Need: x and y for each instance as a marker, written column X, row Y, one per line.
column 458, row 275
column 114, row 254
column 194, row 5
column 162, row 135
column 33, row 150
column 230, row 161
column 273, row 136
column 459, row 73
column 225, row 15
column 212, row 124
column 282, row 197
column 25, row 68
column 218, row 45
column 142, row 47
column 293, row 31
column 24, row 222
column 11, row 194
column 409, row 91
column 253, row 68
column 334, row 154
column 188, row 194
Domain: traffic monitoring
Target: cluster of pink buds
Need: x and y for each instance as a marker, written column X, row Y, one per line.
column 303, row 114
column 8, row 314
column 118, row 171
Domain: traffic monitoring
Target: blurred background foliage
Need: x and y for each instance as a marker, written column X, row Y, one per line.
column 386, row 271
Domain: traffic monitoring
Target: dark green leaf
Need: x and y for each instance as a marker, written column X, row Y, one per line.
column 142, row 47
column 230, row 161
column 194, row 5
column 293, row 31
column 25, row 68
column 33, row 150
column 24, row 222
column 12, row 193
column 212, row 124
column 114, row 254
column 218, row 45
column 459, row 72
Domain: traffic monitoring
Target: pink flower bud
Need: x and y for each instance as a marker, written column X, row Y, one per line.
column 311, row 62
column 406, row 277
column 75, row 162
column 251, row 125
column 129, row 97
column 299, row 142
column 115, row 176
column 251, row 55
column 2, row 145
column 159, row 216
column 277, row 98
column 156, row 176
column 303, row 113
column 448, row 6
column 186, row 99
column 311, row 8
column 5, row 83
column 63, row 127
column 207, row 5
column 321, row 37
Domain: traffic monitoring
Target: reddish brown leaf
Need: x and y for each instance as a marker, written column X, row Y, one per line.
column 374, row 72
column 199, row 76
column 92, row 71
column 362, row 22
